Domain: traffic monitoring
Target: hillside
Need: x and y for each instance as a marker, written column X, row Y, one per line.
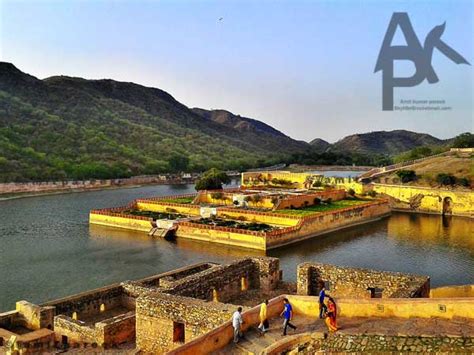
column 320, row 144
column 252, row 129
column 385, row 142
column 427, row 171
column 65, row 127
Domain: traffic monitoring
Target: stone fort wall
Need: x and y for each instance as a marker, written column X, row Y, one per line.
column 196, row 304
column 359, row 283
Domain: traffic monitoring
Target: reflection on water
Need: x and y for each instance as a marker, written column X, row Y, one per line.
column 48, row 250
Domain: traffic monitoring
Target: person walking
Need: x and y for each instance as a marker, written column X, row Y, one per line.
column 322, row 306
column 237, row 324
column 288, row 315
column 264, row 325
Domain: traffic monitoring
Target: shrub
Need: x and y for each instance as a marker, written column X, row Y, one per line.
column 275, row 200
column 212, row 180
column 236, row 202
column 351, row 192
column 464, row 140
column 446, row 179
column 372, row 193
column 217, row 195
column 464, row 182
column 317, row 184
column 406, row 175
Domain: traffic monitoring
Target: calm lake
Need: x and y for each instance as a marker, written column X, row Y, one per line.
column 48, row 250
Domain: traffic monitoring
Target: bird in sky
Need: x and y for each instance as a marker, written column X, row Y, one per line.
column 221, row 18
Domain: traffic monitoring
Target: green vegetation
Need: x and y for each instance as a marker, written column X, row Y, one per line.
column 406, row 175
column 451, row 180
column 70, row 128
column 154, row 215
column 185, row 200
column 418, row 153
column 323, row 207
column 259, row 227
column 464, row 140
column 281, row 182
column 212, row 179
column 372, row 193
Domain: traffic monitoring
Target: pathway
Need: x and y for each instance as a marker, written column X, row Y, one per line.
column 255, row 344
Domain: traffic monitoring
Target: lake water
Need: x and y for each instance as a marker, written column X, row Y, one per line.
column 48, row 250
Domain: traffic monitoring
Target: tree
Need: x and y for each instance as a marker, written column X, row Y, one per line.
column 178, row 162
column 406, row 175
column 446, row 179
column 212, row 179
column 464, row 140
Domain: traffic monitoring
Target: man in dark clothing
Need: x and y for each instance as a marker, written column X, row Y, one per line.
column 322, row 306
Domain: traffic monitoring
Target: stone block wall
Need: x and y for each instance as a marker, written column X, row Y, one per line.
column 88, row 303
column 357, row 283
column 379, row 343
column 116, row 330
column 157, row 315
column 73, row 331
column 226, row 281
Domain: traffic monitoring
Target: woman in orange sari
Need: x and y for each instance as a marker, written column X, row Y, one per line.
column 331, row 315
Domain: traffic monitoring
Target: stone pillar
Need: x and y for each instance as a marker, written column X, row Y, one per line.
column 268, row 270
column 303, row 279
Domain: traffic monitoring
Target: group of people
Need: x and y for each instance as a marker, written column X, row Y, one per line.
column 329, row 313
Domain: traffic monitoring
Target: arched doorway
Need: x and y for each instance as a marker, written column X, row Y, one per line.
column 447, row 205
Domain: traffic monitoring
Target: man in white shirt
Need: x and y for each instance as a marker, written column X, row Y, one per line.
column 237, row 323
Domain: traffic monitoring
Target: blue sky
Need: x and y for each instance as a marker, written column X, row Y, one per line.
column 304, row 67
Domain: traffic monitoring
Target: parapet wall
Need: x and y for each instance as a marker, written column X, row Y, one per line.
column 359, row 283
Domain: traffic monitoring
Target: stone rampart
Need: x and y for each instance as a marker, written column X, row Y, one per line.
column 359, row 283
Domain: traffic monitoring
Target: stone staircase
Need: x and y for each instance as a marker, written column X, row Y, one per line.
column 253, row 343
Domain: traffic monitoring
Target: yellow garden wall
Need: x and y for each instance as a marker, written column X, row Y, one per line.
column 425, row 199
column 267, row 218
column 157, row 206
column 326, row 222
column 452, row 291
column 389, row 307
column 120, row 222
column 219, row 236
